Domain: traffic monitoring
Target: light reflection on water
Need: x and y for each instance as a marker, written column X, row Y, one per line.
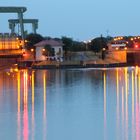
column 70, row 104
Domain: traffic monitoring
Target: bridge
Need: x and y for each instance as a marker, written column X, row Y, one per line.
column 10, row 45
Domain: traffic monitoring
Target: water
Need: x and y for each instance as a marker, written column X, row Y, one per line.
column 84, row 104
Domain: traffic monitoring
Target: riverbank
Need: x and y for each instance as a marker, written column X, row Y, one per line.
column 72, row 66
column 78, row 60
column 107, row 63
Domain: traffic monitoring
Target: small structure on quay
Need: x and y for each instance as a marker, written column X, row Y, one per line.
column 57, row 47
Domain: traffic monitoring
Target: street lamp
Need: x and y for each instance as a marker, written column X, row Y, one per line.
column 32, row 50
column 86, row 42
column 125, row 48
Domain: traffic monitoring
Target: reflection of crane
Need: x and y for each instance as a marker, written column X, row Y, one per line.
column 19, row 11
column 13, row 22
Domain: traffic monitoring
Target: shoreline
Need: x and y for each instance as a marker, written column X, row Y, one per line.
column 112, row 65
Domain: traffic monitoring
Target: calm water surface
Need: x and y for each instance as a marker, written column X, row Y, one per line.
column 84, row 104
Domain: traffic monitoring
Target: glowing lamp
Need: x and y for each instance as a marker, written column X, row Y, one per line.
column 32, row 50
column 136, row 46
column 125, row 48
column 24, row 54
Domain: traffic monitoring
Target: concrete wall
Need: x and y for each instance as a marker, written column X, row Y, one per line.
column 39, row 55
column 28, row 55
column 58, row 51
column 118, row 55
column 133, row 58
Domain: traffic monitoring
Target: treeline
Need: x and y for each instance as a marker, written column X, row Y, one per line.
column 96, row 44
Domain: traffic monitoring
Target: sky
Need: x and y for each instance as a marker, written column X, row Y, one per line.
column 78, row 19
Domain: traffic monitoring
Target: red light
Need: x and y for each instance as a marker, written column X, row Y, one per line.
column 24, row 54
column 136, row 46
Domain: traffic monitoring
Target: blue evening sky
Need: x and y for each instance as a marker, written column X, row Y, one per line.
column 79, row 19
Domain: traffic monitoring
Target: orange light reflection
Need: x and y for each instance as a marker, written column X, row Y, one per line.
column 18, row 103
column 33, row 118
column 44, row 112
column 118, row 104
column 123, row 111
column 25, row 110
column 133, row 104
column 126, row 104
column 104, row 105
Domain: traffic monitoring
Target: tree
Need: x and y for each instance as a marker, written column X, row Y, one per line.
column 98, row 44
column 32, row 39
column 68, row 42
column 49, row 51
column 77, row 46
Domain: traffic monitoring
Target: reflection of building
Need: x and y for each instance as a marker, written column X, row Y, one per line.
column 57, row 46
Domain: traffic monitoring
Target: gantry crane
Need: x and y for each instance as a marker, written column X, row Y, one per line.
column 19, row 11
column 13, row 22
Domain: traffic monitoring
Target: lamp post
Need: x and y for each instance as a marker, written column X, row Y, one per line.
column 86, row 43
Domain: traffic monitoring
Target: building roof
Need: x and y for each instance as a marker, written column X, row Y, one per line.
column 50, row 42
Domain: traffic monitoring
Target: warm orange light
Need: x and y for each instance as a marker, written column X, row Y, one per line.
column 32, row 50
column 136, row 46
column 104, row 49
column 132, row 39
column 16, row 69
column 26, row 41
column 117, row 48
column 23, row 50
column 24, row 54
column 125, row 48
column 43, row 50
column 11, row 70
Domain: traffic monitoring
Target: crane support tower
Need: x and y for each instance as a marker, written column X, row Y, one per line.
column 13, row 22
column 19, row 11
